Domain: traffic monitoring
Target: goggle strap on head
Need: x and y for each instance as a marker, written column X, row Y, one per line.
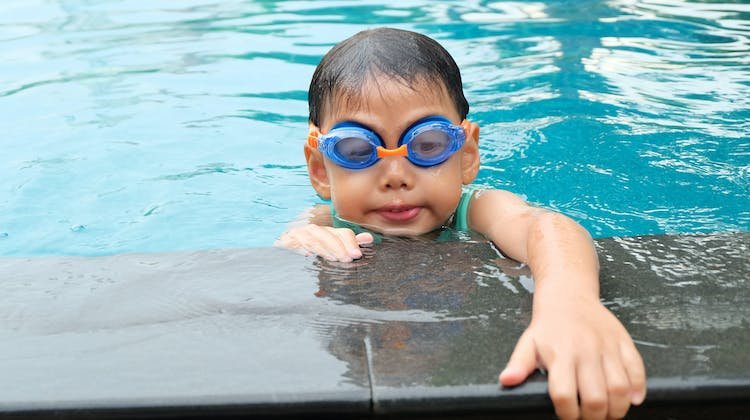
column 312, row 138
column 466, row 124
column 399, row 151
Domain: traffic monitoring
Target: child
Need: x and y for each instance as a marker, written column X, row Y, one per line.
column 390, row 146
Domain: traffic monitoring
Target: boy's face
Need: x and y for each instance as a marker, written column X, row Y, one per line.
column 395, row 196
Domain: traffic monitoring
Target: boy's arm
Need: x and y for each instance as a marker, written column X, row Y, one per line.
column 312, row 234
column 585, row 349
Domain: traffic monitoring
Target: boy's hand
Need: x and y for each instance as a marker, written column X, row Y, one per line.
column 594, row 369
column 333, row 244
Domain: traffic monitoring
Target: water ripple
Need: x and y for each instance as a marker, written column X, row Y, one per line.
column 630, row 115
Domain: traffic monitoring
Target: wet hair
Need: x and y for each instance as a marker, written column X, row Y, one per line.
column 403, row 56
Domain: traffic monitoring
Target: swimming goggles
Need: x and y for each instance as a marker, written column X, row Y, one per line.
column 428, row 142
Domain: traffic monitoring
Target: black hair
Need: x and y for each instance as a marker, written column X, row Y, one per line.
column 400, row 55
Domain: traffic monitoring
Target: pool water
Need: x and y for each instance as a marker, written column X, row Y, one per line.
column 134, row 126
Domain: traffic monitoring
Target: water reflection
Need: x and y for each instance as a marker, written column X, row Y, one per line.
column 454, row 299
column 695, row 67
column 729, row 15
column 457, row 308
column 683, row 298
column 508, row 11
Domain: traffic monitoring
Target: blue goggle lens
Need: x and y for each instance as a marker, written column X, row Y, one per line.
column 354, row 149
column 430, row 145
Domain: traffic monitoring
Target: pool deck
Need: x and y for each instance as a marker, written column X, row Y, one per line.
column 412, row 329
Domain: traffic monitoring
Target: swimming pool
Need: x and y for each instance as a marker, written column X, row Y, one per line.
column 129, row 126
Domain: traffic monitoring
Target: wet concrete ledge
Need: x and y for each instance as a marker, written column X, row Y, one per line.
column 415, row 328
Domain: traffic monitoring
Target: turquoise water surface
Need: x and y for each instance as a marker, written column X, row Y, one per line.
column 132, row 126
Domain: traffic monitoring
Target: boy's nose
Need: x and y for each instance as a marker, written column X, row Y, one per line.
column 396, row 174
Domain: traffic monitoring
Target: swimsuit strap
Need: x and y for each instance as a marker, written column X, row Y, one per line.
column 461, row 217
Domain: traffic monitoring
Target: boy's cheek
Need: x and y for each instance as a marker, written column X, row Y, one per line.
column 333, row 180
column 345, row 179
column 349, row 188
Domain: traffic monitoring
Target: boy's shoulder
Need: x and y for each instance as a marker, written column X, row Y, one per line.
column 491, row 196
column 489, row 206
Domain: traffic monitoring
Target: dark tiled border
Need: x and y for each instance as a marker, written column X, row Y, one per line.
column 426, row 342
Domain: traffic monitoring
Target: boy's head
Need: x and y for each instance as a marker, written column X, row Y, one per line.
column 386, row 53
column 395, row 150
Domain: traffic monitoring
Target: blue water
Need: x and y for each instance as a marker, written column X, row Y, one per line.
column 132, row 126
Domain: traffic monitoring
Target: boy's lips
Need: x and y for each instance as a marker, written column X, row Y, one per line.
column 399, row 213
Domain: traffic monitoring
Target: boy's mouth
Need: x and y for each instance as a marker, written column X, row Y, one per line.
column 399, row 213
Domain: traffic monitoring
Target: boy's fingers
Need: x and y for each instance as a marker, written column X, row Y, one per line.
column 592, row 388
column 288, row 240
column 561, row 381
column 521, row 363
column 636, row 372
column 341, row 244
column 321, row 241
column 349, row 242
column 364, row 238
column 333, row 244
column 618, row 386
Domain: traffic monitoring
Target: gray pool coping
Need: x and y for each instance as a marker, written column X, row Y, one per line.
column 414, row 328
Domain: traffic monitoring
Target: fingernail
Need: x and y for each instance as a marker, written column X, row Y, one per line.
column 364, row 238
column 636, row 398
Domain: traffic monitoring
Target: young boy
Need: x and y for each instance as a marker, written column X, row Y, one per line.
column 390, row 146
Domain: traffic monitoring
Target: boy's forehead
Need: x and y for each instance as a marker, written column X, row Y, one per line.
column 384, row 97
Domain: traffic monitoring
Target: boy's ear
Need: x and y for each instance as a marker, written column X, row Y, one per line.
column 470, row 153
column 317, row 171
